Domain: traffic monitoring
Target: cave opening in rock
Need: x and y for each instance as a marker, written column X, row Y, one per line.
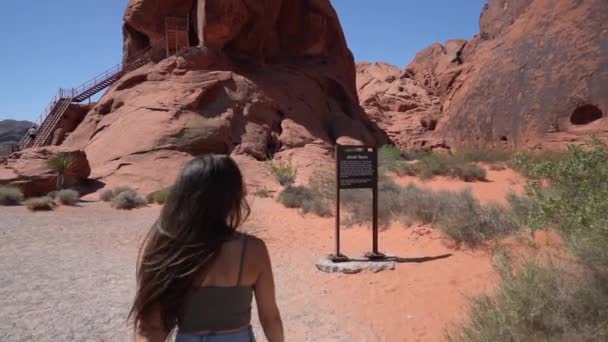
column 585, row 115
column 504, row 138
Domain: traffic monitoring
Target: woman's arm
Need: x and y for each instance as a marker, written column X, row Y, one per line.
column 268, row 311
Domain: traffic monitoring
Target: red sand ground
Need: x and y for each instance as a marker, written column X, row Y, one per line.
column 81, row 261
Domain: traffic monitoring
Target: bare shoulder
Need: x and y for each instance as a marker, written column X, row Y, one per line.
column 257, row 249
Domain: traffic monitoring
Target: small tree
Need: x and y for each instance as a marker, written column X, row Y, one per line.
column 62, row 164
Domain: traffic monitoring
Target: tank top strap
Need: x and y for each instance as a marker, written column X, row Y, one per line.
column 242, row 262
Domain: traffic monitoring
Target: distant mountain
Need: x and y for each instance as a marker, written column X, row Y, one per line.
column 11, row 131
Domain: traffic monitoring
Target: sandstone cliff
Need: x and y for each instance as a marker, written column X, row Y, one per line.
column 535, row 76
column 271, row 77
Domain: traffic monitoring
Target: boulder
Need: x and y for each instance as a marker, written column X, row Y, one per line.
column 265, row 78
column 29, row 171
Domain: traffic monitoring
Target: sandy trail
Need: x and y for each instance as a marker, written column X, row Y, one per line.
column 68, row 275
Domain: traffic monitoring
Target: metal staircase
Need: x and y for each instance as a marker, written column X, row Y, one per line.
column 49, row 120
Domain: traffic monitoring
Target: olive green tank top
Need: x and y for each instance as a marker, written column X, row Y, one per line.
column 213, row 309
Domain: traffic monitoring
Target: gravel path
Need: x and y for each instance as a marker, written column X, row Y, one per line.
column 68, row 275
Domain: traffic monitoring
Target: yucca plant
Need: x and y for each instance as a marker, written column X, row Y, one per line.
column 62, row 164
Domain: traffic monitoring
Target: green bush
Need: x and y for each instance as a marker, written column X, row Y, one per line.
column 127, row 200
column 40, row 204
column 567, row 191
column 67, row 197
column 537, row 303
column 306, row 199
column 62, row 164
column 284, row 172
column 10, row 195
column 159, row 197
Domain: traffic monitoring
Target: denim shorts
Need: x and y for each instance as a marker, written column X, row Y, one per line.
column 239, row 336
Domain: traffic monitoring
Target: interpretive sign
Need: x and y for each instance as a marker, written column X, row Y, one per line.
column 357, row 168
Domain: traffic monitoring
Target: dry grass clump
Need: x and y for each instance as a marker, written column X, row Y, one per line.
column 67, row 197
column 450, row 166
column 457, row 214
column 108, row 195
column 10, row 195
column 127, row 200
column 40, row 203
column 263, row 193
column 429, row 165
column 306, row 199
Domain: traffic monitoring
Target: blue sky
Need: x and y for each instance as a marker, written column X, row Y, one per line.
column 63, row 43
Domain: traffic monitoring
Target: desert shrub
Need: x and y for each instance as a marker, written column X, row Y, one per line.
column 127, row 200
column 497, row 167
column 324, row 183
column 463, row 219
column 263, row 193
column 358, row 203
column 40, row 203
column 571, row 194
column 537, row 303
column 159, row 197
column 67, row 197
column 10, row 195
column 450, row 166
column 284, row 172
column 548, row 303
column 527, row 163
column 108, row 195
column 485, row 156
column 520, row 208
column 468, row 172
column 390, row 160
column 414, row 154
column 53, row 194
column 306, row 199
column 62, row 164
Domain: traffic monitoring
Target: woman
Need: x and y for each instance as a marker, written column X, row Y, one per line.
column 196, row 273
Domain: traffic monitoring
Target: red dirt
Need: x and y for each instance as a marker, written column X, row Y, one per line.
column 498, row 184
column 95, row 244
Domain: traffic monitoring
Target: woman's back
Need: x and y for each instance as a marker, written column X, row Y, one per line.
column 196, row 273
column 220, row 299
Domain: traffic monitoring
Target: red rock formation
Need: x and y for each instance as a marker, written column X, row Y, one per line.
column 29, row 171
column 536, row 76
column 269, row 77
column 402, row 107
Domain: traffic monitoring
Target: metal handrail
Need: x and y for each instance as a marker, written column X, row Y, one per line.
column 117, row 70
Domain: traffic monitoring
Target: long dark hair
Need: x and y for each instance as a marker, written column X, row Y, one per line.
column 204, row 209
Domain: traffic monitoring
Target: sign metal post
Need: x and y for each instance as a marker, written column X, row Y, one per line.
column 357, row 168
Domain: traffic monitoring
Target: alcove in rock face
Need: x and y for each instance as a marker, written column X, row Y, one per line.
column 586, row 114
